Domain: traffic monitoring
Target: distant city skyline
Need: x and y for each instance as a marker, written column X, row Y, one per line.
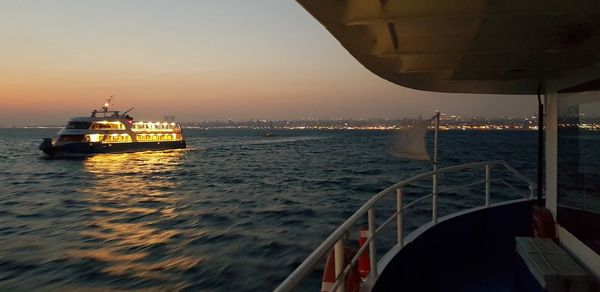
column 197, row 60
column 312, row 122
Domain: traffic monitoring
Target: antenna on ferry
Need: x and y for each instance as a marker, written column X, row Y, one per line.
column 127, row 111
column 107, row 103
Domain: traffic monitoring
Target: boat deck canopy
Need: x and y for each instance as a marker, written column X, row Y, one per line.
column 469, row 46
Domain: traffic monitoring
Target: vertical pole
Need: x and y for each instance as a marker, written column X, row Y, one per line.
column 435, row 168
column 372, row 248
column 487, row 185
column 550, row 149
column 540, row 162
column 399, row 217
column 435, row 139
column 338, row 252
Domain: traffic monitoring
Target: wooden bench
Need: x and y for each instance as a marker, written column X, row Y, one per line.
column 551, row 266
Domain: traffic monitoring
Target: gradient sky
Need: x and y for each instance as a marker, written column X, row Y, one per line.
column 197, row 60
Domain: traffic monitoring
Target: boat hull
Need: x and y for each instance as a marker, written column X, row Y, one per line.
column 83, row 148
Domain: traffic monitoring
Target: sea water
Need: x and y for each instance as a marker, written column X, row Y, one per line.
column 236, row 211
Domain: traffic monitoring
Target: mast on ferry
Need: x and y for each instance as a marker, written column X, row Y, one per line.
column 107, row 103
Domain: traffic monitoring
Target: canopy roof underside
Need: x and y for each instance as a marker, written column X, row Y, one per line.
column 467, row 46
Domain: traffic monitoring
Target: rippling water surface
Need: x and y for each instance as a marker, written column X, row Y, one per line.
column 235, row 210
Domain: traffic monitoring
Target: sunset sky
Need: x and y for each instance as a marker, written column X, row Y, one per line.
column 197, row 60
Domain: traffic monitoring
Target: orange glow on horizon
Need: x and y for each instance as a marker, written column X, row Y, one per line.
column 265, row 60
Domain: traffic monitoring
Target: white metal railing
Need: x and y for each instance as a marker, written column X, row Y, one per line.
column 337, row 239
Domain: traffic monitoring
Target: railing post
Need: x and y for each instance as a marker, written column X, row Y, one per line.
column 338, row 252
column 399, row 217
column 372, row 248
column 434, row 200
column 531, row 192
column 487, row 185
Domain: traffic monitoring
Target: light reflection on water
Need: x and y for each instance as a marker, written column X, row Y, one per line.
column 127, row 200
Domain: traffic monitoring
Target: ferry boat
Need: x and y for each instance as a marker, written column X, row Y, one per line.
column 546, row 240
column 109, row 131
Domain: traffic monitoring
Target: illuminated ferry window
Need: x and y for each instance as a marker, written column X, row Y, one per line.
column 94, row 138
column 578, row 178
column 117, row 138
column 78, row 125
column 158, row 137
column 153, row 127
column 108, row 126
